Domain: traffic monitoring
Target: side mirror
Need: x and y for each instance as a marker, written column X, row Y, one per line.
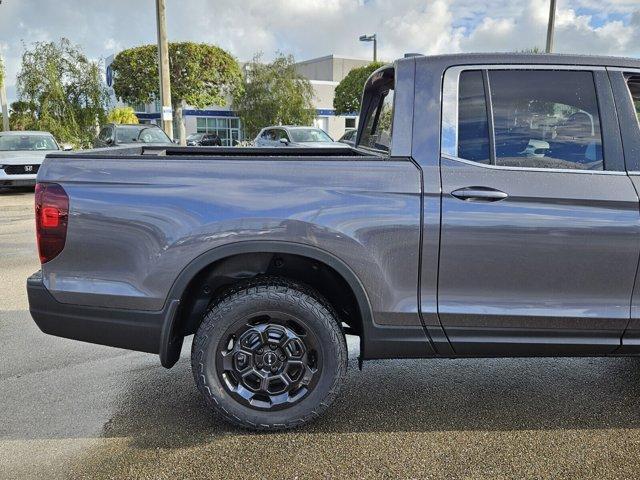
column 109, row 141
column 67, row 148
column 284, row 141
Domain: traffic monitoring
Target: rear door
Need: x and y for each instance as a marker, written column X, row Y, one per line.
column 540, row 225
column 626, row 89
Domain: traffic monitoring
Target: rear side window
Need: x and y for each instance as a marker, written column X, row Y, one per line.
column 540, row 119
column 376, row 133
column 473, row 137
column 633, row 82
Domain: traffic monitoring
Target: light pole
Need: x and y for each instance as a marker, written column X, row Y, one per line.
column 163, row 64
column 550, row 28
column 371, row 38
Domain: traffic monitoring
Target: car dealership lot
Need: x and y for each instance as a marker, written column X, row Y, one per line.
column 74, row 410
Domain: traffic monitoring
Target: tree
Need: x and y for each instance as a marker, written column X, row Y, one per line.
column 61, row 91
column 201, row 75
column 122, row 115
column 348, row 93
column 273, row 94
column 22, row 116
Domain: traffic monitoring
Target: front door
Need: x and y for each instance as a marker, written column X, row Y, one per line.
column 540, row 225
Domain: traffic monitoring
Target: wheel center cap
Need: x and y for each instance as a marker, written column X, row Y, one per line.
column 270, row 359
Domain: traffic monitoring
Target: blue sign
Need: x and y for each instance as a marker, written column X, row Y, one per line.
column 109, row 75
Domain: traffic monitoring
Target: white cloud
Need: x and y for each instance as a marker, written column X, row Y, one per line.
column 309, row 28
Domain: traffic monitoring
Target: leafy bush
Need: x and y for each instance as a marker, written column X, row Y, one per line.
column 122, row 115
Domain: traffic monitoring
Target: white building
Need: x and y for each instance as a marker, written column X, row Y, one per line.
column 324, row 73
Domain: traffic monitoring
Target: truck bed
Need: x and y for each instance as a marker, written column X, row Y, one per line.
column 131, row 152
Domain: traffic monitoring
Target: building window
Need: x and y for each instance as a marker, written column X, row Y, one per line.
column 139, row 107
column 349, row 123
column 227, row 128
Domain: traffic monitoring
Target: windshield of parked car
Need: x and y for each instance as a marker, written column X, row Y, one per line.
column 27, row 142
column 153, row 135
column 195, row 136
column 306, row 135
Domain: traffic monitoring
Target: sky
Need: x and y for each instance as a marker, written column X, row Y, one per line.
column 312, row 28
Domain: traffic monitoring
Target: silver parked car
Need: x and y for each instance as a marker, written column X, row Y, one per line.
column 21, row 154
column 292, row 136
column 349, row 137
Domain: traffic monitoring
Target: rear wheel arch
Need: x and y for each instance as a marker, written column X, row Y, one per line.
column 239, row 259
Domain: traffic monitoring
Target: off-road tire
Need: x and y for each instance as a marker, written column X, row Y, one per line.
column 276, row 294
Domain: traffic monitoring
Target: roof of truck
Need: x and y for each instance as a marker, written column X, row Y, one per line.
column 530, row 58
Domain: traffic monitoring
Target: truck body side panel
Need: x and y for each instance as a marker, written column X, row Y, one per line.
column 135, row 225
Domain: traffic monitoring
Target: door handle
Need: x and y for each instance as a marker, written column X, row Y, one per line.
column 479, row 194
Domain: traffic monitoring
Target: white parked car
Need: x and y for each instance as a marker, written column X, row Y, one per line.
column 21, row 154
column 295, row 136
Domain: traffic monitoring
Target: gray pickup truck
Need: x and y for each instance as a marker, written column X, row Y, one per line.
column 489, row 208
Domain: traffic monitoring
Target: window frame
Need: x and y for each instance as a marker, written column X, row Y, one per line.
column 613, row 158
column 628, row 121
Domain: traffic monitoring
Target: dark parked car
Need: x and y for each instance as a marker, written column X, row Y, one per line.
column 204, row 140
column 114, row 134
column 293, row 136
column 496, row 223
column 349, row 137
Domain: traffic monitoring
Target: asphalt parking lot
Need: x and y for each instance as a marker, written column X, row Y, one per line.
column 73, row 410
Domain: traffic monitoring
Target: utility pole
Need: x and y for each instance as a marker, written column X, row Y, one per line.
column 3, row 97
column 550, row 28
column 163, row 68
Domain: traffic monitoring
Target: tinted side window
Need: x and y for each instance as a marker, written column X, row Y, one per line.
column 633, row 82
column 473, row 127
column 546, row 119
column 376, row 133
column 267, row 135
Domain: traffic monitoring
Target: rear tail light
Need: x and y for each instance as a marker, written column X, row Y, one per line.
column 52, row 213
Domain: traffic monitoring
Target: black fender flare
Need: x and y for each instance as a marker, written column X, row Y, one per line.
column 171, row 345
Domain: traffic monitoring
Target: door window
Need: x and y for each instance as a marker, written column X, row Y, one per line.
column 633, row 82
column 280, row 134
column 473, row 125
column 105, row 134
column 540, row 119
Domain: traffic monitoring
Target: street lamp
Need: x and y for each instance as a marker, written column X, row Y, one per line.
column 550, row 28
column 371, row 38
